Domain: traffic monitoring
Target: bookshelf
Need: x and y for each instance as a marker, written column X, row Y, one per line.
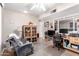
column 29, row 32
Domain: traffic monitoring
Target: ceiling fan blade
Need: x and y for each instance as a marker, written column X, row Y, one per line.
column 33, row 7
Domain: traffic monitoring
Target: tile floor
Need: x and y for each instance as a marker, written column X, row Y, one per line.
column 44, row 48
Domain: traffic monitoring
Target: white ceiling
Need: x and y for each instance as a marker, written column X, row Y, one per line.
column 65, row 14
column 37, row 12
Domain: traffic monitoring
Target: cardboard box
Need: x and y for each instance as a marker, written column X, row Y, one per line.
column 8, row 52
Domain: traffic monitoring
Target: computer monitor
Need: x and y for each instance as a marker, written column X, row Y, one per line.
column 51, row 32
column 63, row 30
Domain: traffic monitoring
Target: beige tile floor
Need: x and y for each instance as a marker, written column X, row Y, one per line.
column 44, row 48
column 69, row 53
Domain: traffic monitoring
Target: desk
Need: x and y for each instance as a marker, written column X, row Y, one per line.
column 72, row 41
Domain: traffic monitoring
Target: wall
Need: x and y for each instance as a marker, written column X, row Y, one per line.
column 70, row 12
column 12, row 20
column 51, row 22
column 63, row 24
column 41, row 29
column 0, row 27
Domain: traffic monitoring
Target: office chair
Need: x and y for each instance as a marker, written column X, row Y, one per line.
column 58, row 41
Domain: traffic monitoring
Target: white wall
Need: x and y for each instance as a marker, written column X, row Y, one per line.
column 12, row 20
column 0, row 26
column 41, row 29
column 51, row 22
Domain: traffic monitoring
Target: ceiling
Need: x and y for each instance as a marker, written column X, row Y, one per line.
column 37, row 11
column 72, row 12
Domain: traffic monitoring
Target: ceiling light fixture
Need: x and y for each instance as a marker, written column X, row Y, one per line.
column 25, row 11
column 38, row 6
column 42, row 7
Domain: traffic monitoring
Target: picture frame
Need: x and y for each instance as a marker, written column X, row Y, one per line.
column 46, row 24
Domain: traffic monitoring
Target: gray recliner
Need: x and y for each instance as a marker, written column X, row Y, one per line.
column 20, row 48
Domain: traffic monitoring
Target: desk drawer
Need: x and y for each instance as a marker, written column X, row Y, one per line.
column 75, row 41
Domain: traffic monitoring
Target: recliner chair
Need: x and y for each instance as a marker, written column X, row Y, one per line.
column 20, row 48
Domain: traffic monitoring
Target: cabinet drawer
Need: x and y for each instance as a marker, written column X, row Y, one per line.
column 76, row 41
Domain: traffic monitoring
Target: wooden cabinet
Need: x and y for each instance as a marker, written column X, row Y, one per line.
column 29, row 32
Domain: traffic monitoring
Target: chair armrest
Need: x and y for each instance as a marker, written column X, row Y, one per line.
column 25, row 49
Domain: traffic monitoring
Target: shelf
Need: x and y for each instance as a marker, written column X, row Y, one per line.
column 73, row 49
column 29, row 32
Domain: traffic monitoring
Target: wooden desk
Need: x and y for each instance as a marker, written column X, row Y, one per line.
column 72, row 40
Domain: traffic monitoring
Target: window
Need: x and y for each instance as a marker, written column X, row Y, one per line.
column 71, row 26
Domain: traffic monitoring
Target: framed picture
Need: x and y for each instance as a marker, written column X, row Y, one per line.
column 46, row 24
column 55, row 25
column 71, row 26
column 51, row 25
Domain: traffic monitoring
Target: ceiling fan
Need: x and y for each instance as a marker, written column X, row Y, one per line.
column 37, row 6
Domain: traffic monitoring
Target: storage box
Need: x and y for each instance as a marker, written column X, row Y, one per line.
column 8, row 52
